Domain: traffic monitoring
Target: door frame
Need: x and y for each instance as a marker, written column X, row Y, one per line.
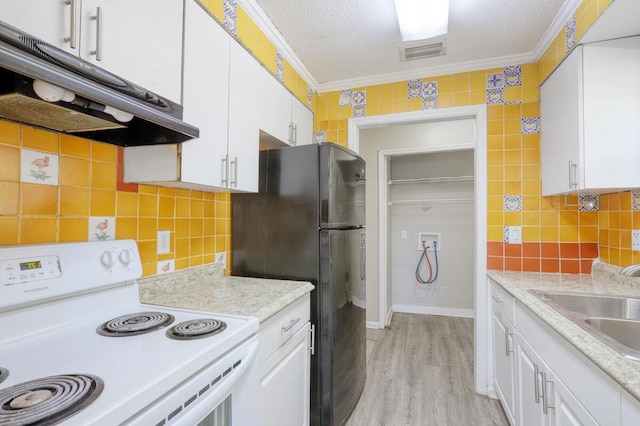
column 479, row 114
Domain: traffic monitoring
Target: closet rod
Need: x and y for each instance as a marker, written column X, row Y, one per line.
column 434, row 201
column 430, row 180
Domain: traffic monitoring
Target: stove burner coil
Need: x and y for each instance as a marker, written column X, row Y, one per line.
column 196, row 329
column 4, row 373
column 137, row 323
column 48, row 400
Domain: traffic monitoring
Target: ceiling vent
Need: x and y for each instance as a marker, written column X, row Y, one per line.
column 421, row 51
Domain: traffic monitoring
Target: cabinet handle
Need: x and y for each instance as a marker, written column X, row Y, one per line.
column 290, row 134
column 508, row 333
column 225, row 170
column 98, row 18
column 295, row 134
column 573, row 178
column 545, row 394
column 234, row 175
column 536, row 376
column 72, row 28
column 312, row 345
column 497, row 299
column 291, row 324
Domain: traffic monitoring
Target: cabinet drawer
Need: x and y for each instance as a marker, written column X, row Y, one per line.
column 502, row 302
column 278, row 329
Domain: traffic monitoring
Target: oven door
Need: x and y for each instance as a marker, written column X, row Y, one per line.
column 219, row 395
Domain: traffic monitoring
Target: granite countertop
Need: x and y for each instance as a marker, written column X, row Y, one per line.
column 205, row 288
column 605, row 280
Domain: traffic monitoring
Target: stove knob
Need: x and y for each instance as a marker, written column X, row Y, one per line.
column 125, row 257
column 107, row 259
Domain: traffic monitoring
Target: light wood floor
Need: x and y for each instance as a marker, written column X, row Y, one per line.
column 420, row 372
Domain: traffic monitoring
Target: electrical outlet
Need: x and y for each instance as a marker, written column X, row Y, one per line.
column 404, row 234
column 164, row 242
column 635, row 239
column 515, row 234
column 222, row 258
column 429, row 238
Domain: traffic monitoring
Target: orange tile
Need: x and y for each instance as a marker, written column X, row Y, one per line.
column 531, row 264
column 585, row 266
column 550, row 250
column 569, row 266
column 495, row 263
column 513, row 250
column 103, row 176
column 37, row 230
column 126, row 203
column 8, row 228
column 103, row 203
column 531, row 249
column 148, row 205
column 39, row 140
column 74, row 201
column 126, row 228
column 495, row 248
column 569, row 250
column 73, row 229
column 9, row 163
column 72, row 146
column 166, row 207
column 9, row 133
column 9, row 197
column 550, row 265
column 39, row 199
column 104, row 153
column 513, row 264
column 74, row 172
column 147, row 228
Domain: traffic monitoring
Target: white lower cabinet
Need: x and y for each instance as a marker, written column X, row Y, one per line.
column 504, row 358
column 285, row 356
column 530, row 389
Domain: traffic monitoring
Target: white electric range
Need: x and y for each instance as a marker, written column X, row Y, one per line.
column 77, row 347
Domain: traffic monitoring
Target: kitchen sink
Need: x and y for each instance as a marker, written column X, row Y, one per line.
column 614, row 320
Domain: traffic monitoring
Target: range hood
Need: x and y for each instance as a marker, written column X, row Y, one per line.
column 44, row 86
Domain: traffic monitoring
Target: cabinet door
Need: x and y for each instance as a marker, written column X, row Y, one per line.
column 302, row 119
column 244, row 134
column 284, row 383
column 140, row 41
column 561, row 126
column 206, row 96
column 50, row 21
column 530, row 385
column 274, row 103
column 567, row 410
column 504, row 363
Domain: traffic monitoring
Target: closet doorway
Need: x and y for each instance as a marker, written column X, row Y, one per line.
column 378, row 219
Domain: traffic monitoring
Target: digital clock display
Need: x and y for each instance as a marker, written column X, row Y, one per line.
column 27, row 266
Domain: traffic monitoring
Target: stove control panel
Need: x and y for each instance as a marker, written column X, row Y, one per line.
column 25, row 270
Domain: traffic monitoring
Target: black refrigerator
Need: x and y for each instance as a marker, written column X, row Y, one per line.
column 307, row 223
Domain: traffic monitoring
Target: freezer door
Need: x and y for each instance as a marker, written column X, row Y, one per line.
column 342, row 187
column 342, row 290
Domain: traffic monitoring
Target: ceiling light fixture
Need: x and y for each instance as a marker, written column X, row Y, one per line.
column 420, row 19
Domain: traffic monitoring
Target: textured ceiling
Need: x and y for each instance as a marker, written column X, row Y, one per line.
column 343, row 41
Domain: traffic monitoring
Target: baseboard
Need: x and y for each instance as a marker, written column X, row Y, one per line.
column 434, row 310
column 491, row 392
column 373, row 324
column 389, row 316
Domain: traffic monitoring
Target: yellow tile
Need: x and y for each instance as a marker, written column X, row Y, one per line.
column 166, row 207
column 39, row 199
column 626, row 220
column 530, row 93
column 461, row 99
column 415, row 104
column 531, row 219
column 568, row 234
column 40, row 140
column 549, row 234
column 513, row 157
column 195, row 261
column 402, row 105
column 626, row 201
column 127, row 203
column 148, row 189
column 495, row 142
column 495, row 188
column 196, row 227
column 461, row 82
column 147, row 228
column 495, row 127
column 531, row 187
column 513, row 112
column 531, row 141
column 72, row 146
column 195, row 246
column 513, row 172
column 512, row 127
column 166, row 224
column 182, row 207
column 148, row 205
column 221, row 243
column 182, row 247
column 512, row 93
column 9, row 197
column 208, row 227
column 37, row 230
column 74, row 172
column 9, row 133
column 513, row 187
column 495, row 158
column 495, row 218
column 531, row 172
column 182, row 264
column 589, row 234
column 74, row 202
column 103, row 203
column 104, row 152
column 513, row 218
column 126, row 228
column 445, row 100
column 168, row 192
column 73, row 229
column 9, row 163
column 495, row 233
column 209, row 245
column 445, row 85
column 530, row 203
column 103, row 176
column 182, row 228
column 148, row 250
column 8, row 230
column 495, row 173
column 513, row 141
column 478, row 97
column 149, row 269
column 530, row 233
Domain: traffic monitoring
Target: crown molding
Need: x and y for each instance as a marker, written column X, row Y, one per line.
column 263, row 21
column 567, row 9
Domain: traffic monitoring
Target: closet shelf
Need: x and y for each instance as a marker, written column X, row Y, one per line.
column 434, row 201
column 431, row 180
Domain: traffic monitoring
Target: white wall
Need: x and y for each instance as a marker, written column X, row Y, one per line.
column 430, row 134
column 453, row 291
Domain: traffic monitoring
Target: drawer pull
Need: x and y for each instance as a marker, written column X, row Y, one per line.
column 497, row 299
column 290, row 326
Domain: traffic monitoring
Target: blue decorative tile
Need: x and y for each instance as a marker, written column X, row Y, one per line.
column 359, row 110
column 231, row 16
column 513, row 75
column 635, row 199
column 571, row 33
column 359, row 98
column 279, row 66
column 414, row 88
column 495, row 96
column 530, row 125
column 495, row 81
column 513, row 203
column 505, row 234
column 319, row 137
column 345, row 97
column 309, row 97
column 429, row 88
column 430, row 102
column 588, row 203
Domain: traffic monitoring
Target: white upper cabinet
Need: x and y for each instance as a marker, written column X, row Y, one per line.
column 140, row 41
column 590, row 132
column 302, row 122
